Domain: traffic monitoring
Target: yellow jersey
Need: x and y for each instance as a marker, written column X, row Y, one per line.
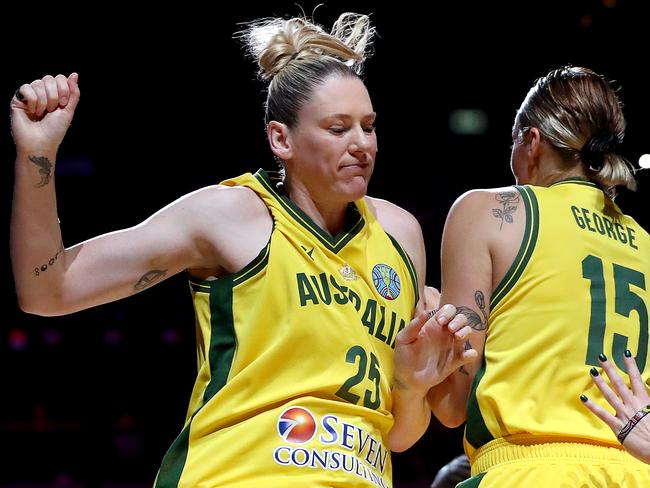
column 576, row 288
column 295, row 356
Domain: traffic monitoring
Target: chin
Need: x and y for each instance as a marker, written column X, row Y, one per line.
column 354, row 189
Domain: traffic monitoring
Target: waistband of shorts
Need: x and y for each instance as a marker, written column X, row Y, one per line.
column 527, row 447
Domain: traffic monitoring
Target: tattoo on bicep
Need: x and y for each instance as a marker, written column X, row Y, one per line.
column 474, row 320
column 44, row 267
column 509, row 201
column 44, row 169
column 149, row 278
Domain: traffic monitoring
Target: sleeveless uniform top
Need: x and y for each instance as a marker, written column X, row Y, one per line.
column 576, row 288
column 295, row 357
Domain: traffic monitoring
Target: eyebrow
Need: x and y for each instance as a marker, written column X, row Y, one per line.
column 347, row 116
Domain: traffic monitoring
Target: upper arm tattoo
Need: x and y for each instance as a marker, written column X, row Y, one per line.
column 509, row 201
column 149, row 278
column 474, row 320
column 44, row 169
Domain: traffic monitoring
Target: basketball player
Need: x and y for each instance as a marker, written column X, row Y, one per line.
column 303, row 287
column 551, row 274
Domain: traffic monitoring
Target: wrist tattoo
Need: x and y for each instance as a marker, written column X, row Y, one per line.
column 44, row 267
column 398, row 385
column 44, row 169
column 149, row 278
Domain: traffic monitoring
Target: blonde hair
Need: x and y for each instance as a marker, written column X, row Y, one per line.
column 580, row 115
column 297, row 55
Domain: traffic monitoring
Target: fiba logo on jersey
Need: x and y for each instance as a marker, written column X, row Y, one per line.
column 297, row 425
column 386, row 281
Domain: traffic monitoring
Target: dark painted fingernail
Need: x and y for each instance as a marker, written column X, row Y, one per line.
column 19, row 96
column 602, row 357
column 583, row 398
column 627, row 353
column 593, row 371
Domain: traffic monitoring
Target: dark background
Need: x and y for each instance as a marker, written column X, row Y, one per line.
column 170, row 104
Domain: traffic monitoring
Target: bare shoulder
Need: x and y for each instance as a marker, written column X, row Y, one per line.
column 233, row 201
column 393, row 218
column 234, row 223
column 404, row 228
column 487, row 202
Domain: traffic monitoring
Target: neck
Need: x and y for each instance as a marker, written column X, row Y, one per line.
column 328, row 215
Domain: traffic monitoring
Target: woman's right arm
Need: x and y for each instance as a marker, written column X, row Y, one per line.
column 195, row 231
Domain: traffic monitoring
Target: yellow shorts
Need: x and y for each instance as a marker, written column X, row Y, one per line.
column 518, row 463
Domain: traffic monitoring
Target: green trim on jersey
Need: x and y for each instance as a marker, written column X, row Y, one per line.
column 223, row 343
column 476, row 432
column 333, row 243
column 223, row 340
column 173, row 463
column 472, row 482
column 248, row 271
column 409, row 266
column 576, row 181
column 525, row 250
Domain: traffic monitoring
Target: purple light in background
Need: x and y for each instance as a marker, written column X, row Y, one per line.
column 75, row 166
column 171, row 336
column 52, row 337
column 18, row 340
column 113, row 337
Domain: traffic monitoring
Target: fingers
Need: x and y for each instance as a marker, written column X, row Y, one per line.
column 431, row 298
column 602, row 414
column 636, row 381
column 47, row 94
column 52, row 93
column 413, row 329
column 609, row 395
column 73, row 87
column 63, row 90
column 409, row 333
column 616, row 380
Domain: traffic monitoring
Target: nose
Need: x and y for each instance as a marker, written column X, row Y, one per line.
column 361, row 141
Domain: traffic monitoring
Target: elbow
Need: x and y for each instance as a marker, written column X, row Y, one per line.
column 452, row 419
column 43, row 308
column 398, row 443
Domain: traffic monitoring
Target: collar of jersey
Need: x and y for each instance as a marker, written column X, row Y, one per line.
column 354, row 219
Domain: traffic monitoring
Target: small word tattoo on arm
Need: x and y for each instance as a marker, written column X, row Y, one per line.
column 44, row 169
column 149, row 278
column 509, row 201
column 474, row 320
column 44, row 267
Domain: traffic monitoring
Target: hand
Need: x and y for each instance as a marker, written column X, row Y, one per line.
column 42, row 111
column 626, row 404
column 430, row 300
column 430, row 348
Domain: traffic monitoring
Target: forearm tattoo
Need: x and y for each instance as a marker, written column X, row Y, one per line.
column 474, row 320
column 44, row 169
column 509, row 201
column 468, row 346
column 44, row 267
column 149, row 278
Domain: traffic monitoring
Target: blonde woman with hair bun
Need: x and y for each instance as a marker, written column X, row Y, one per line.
column 311, row 369
column 553, row 277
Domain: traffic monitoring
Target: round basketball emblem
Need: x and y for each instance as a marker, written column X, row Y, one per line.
column 386, row 281
column 297, row 425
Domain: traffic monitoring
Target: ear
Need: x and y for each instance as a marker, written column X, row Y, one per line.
column 279, row 139
column 534, row 140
